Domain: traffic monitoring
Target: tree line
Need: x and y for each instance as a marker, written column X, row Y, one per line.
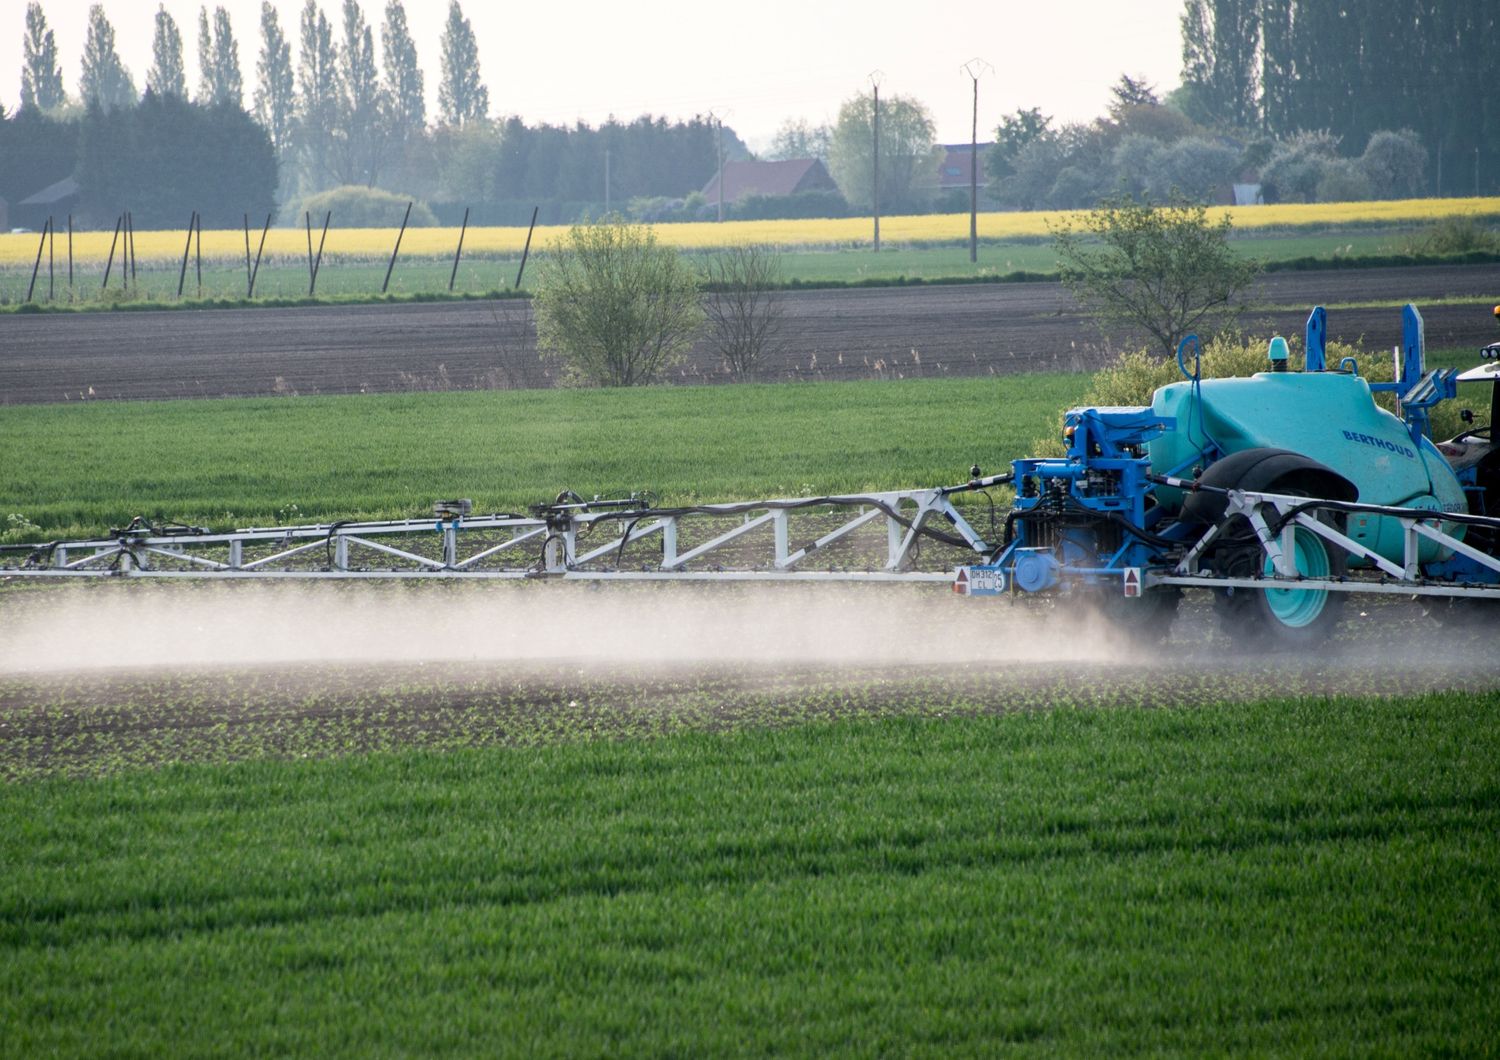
column 1346, row 71
column 1309, row 101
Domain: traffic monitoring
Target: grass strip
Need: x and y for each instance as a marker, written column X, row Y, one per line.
column 78, row 469
column 282, row 285
column 1294, row 876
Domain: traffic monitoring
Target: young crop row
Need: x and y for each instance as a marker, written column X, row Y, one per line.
column 1303, row 876
column 18, row 250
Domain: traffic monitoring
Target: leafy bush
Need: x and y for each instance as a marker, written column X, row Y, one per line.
column 616, row 307
column 1395, row 164
column 1193, row 166
column 1462, row 234
column 822, row 203
column 1134, row 377
column 355, row 206
column 1344, row 181
column 1296, row 166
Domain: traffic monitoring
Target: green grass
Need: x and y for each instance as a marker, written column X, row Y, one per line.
column 278, row 281
column 78, row 469
column 1294, row 877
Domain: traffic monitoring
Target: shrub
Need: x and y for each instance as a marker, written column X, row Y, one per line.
column 1395, row 164
column 1344, row 181
column 614, row 305
column 1461, row 234
column 355, row 206
column 819, row 203
column 1296, row 166
column 1163, row 270
column 1194, row 166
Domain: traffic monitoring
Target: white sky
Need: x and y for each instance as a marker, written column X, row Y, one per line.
column 756, row 64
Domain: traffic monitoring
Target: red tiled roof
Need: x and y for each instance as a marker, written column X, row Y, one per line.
column 953, row 168
column 768, row 178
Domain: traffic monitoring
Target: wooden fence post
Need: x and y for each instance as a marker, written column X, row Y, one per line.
column 110, row 263
column 396, row 249
column 41, row 245
column 454, row 274
column 318, row 262
column 130, row 240
column 526, row 251
column 256, row 271
column 187, row 248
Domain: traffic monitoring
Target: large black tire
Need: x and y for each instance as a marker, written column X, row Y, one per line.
column 1270, row 619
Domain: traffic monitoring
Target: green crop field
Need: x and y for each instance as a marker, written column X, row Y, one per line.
column 1081, row 854
column 1289, row 877
column 75, row 470
column 78, row 469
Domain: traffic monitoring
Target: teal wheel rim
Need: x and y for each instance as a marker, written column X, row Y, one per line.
column 1296, row 608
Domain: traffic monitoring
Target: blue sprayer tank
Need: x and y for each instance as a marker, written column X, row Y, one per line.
column 1328, row 416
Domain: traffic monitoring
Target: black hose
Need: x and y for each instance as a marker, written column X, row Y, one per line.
column 328, row 541
column 1463, row 518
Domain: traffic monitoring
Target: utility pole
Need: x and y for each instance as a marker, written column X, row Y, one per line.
column 606, row 182
column 975, row 69
column 875, row 167
column 718, row 121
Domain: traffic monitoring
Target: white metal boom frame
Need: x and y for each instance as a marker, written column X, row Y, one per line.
column 554, row 541
column 1275, row 518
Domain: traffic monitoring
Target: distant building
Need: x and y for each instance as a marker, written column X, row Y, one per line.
column 1247, row 194
column 954, row 166
column 55, row 200
column 790, row 177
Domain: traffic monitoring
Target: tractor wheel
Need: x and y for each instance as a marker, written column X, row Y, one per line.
column 1281, row 618
column 1146, row 621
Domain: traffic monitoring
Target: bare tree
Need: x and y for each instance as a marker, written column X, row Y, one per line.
column 742, row 304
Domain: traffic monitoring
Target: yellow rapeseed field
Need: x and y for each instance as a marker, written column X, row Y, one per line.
column 92, row 248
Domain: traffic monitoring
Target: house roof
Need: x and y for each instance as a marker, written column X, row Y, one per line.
column 953, row 167
column 62, row 189
column 768, row 178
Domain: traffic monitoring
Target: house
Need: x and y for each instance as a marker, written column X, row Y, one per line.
column 789, row 177
column 954, row 166
column 55, row 200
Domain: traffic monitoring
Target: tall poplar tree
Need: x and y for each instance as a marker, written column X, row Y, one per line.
column 166, row 76
column 403, row 77
column 104, row 81
column 317, row 97
column 1220, row 61
column 41, row 76
column 275, row 97
column 1354, row 68
column 462, row 97
column 231, row 85
column 219, row 79
column 362, row 106
column 205, row 57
